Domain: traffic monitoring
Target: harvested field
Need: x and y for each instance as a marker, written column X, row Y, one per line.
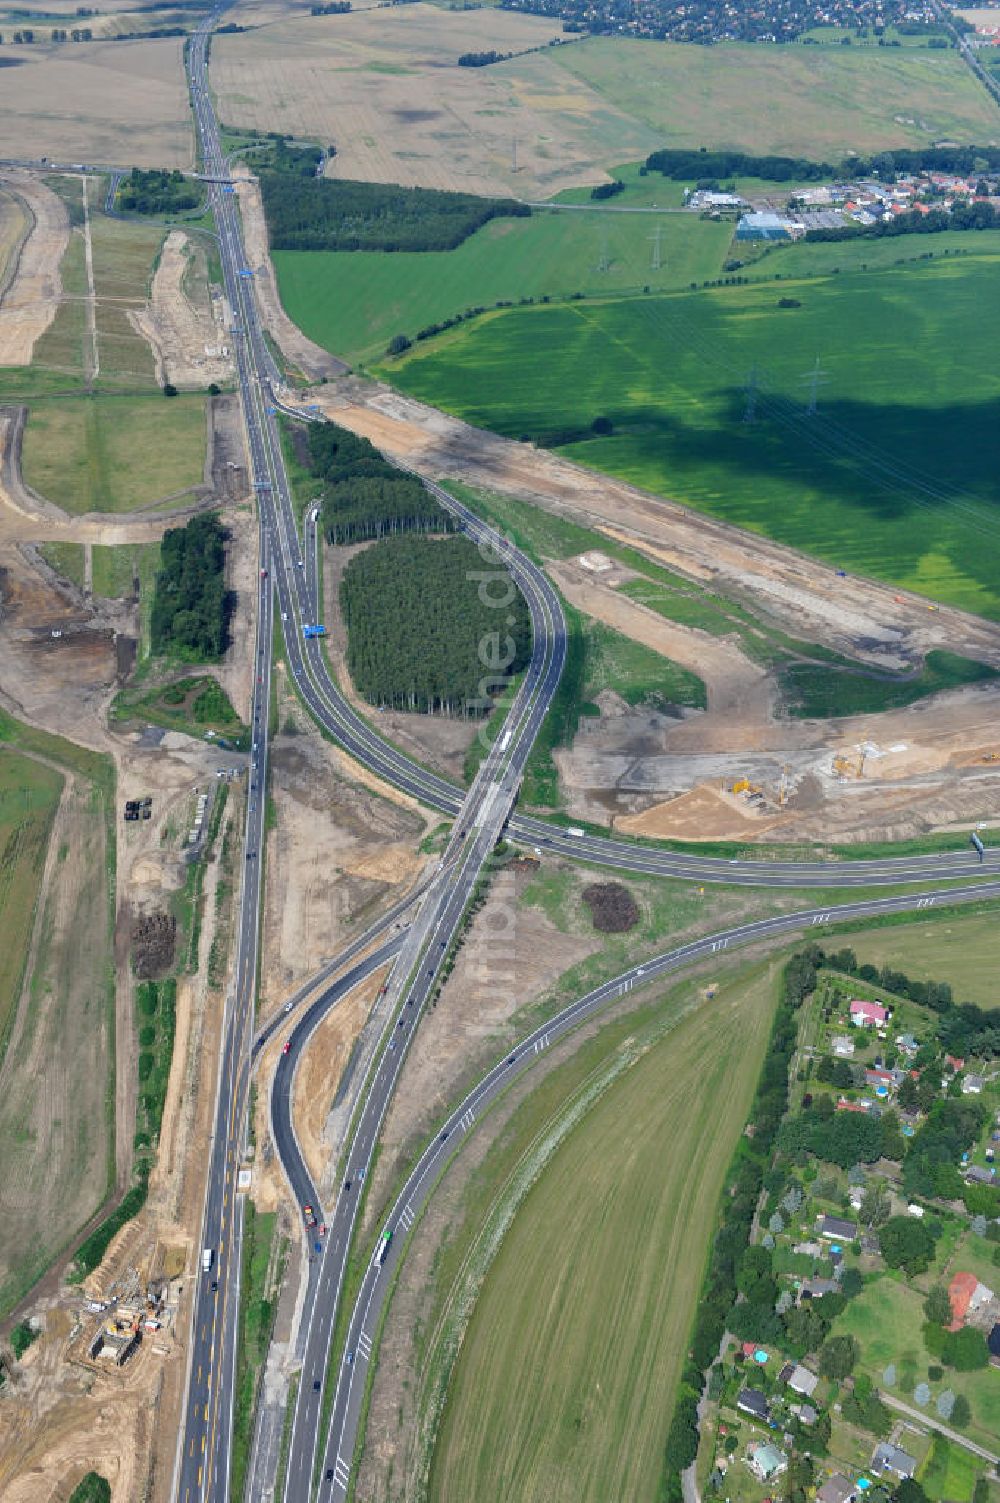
column 383, row 84
column 29, row 797
column 54, row 1080
column 58, row 100
column 570, row 1362
column 35, row 229
column 184, row 327
column 821, row 102
column 80, row 453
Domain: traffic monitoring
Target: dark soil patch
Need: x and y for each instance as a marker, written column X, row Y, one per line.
column 613, row 909
column 153, row 939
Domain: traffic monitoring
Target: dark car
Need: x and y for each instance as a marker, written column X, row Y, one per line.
column 347, row 1184
column 315, row 1385
column 329, row 1474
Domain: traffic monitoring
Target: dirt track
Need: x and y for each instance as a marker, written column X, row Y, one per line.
column 856, row 616
column 29, row 304
column 187, row 338
column 314, row 363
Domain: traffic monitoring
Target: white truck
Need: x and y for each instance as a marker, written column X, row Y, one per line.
column 206, row 1260
column 575, row 830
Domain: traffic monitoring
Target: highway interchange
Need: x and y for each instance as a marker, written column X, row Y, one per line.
column 416, row 947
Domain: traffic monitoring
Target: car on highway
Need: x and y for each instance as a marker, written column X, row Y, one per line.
column 287, row 1047
column 288, row 1007
column 347, row 1185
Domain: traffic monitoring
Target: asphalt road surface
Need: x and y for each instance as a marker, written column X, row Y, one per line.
column 480, row 814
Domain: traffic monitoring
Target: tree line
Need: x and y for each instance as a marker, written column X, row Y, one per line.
column 420, row 635
column 363, row 495
column 691, row 164
column 157, row 192
column 190, row 612
column 310, row 213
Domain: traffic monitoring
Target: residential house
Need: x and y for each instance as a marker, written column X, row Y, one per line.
column 837, row 1489
column 816, row 1288
column 907, row 1044
column 889, row 1458
column 805, row 1413
column 809, row 1249
column 836, row 1229
column 972, row 1085
column 868, row 1014
column 976, row 1175
column 843, row 1046
column 751, row 1401
column 766, row 1461
column 800, row 1380
column 960, row 1291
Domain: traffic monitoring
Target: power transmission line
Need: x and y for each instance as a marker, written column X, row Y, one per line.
column 655, row 260
column 815, row 379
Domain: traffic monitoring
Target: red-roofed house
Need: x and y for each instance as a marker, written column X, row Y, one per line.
column 954, row 1063
column 960, row 1291
column 868, row 1014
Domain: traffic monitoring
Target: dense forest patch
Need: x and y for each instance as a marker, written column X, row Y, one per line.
column 190, row 604
column 363, row 495
column 309, row 213
column 421, row 632
column 157, row 192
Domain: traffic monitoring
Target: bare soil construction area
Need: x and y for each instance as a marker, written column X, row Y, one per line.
column 872, row 776
column 57, row 99
column 315, row 363
column 30, row 286
column 384, row 86
column 186, row 330
column 337, row 855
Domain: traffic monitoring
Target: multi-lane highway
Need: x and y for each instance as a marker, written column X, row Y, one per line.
column 204, row 1444
column 480, row 814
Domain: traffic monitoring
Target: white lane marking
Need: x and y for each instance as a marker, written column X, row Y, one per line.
column 406, row 1217
column 540, row 1044
column 467, row 1120
column 341, row 1473
column 821, row 918
column 364, row 1346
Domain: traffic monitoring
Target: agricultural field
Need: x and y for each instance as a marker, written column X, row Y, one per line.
column 123, row 256
column 380, row 85
column 58, row 100
column 29, row 796
column 813, row 102
column 81, row 452
column 955, row 949
column 56, row 1107
column 565, row 1379
column 352, row 303
column 383, row 84
column 893, row 480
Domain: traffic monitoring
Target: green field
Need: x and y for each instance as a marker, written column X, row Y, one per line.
column 890, row 478
column 194, row 705
column 354, row 302
column 565, row 1380
column 819, row 102
column 66, row 559
column 114, row 454
column 886, row 1319
column 29, row 797
column 949, row 1472
column 960, row 950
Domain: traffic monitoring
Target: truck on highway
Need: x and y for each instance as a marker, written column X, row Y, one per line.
column 384, row 1245
column 206, row 1260
column 314, row 631
column 505, row 741
column 575, row 830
